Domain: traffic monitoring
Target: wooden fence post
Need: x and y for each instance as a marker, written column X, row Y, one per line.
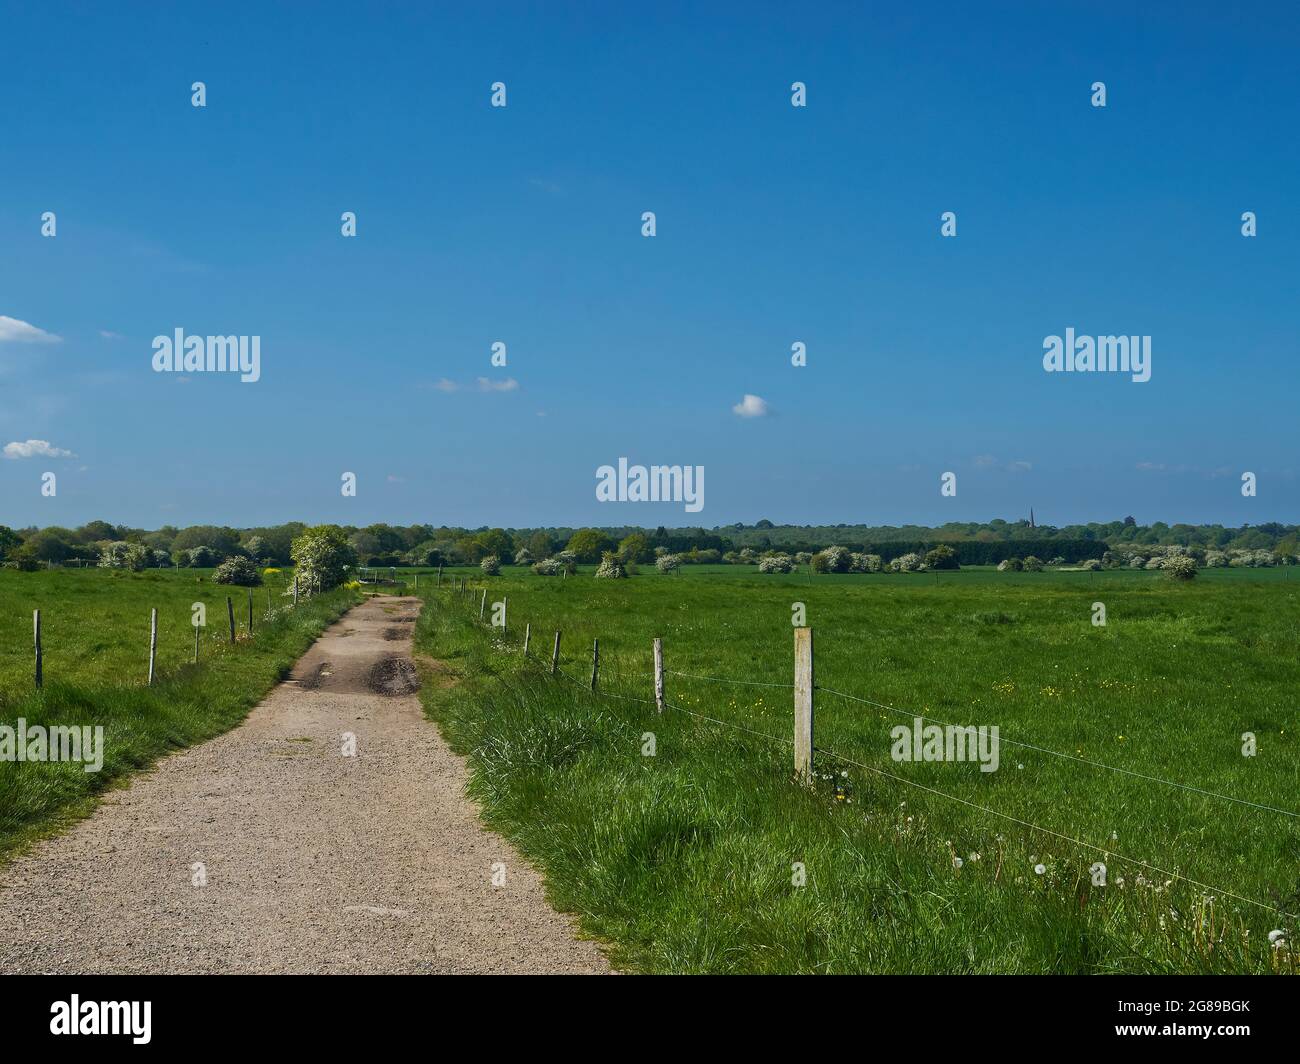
column 482, row 605
column 295, row 589
column 440, row 574
column 230, row 609
column 196, row 644
column 659, row 675
column 153, row 642
column 595, row 661
column 803, row 705
column 555, row 655
column 250, row 611
column 528, row 631
column 36, row 625
column 417, row 580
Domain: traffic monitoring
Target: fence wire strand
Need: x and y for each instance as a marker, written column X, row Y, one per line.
column 1069, row 757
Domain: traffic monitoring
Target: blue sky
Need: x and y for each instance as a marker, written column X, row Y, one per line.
column 775, row 224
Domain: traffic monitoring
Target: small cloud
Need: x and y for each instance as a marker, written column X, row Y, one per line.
column 444, row 385
column 508, row 385
column 35, row 449
column 750, row 406
column 1150, row 467
column 108, row 334
column 393, row 478
column 984, row 461
column 13, row 331
column 541, row 413
column 1020, row 467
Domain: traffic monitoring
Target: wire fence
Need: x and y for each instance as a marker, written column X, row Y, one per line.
column 593, row 688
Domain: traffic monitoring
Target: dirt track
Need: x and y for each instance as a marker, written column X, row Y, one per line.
column 315, row 862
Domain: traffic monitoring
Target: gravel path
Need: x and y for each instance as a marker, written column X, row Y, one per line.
column 314, row 861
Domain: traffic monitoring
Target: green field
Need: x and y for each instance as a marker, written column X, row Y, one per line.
column 684, row 859
column 95, row 633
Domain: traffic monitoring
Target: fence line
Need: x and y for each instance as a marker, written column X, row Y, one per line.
column 806, row 768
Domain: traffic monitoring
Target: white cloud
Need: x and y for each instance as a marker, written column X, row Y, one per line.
column 393, row 478
column 1020, row 467
column 507, row 385
column 983, row 461
column 108, row 334
column 750, row 406
column 35, row 449
column 445, row 385
column 13, row 331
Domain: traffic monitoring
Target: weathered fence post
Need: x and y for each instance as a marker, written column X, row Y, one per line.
column 555, row 655
column 528, row 631
column 482, row 604
column 250, row 611
column 803, row 705
column 153, row 642
column 36, row 625
column 295, row 589
column 440, row 574
column 659, row 675
column 595, row 661
column 230, row 609
column 196, row 644
column 417, row 580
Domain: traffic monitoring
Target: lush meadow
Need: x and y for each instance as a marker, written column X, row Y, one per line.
column 95, row 633
column 685, row 859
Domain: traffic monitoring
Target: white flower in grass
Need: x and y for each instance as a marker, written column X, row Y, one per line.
column 1277, row 938
column 1040, row 868
column 957, row 862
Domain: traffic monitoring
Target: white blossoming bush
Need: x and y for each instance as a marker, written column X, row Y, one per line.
column 865, row 563
column 748, row 556
column 1137, row 562
column 200, row 557
column 667, row 563
column 1216, row 559
column 610, row 568
column 491, row 565
column 1091, row 565
column 1155, row 562
column 568, row 561
column 907, row 563
column 240, row 571
column 1180, row 568
column 132, row 556
column 523, row 556
column 803, row 558
column 1010, row 565
column 831, row 560
column 1033, row 565
column 548, row 567
column 776, row 563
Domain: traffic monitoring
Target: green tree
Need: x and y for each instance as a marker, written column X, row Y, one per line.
column 496, row 542
column 634, row 548
column 47, row 546
column 588, row 544
column 541, row 544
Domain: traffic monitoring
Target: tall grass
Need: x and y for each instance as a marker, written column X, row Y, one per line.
column 685, row 860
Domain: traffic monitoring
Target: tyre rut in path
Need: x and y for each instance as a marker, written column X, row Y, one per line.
column 314, row 862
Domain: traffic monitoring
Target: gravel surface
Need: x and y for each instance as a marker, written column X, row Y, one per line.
column 314, row 861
